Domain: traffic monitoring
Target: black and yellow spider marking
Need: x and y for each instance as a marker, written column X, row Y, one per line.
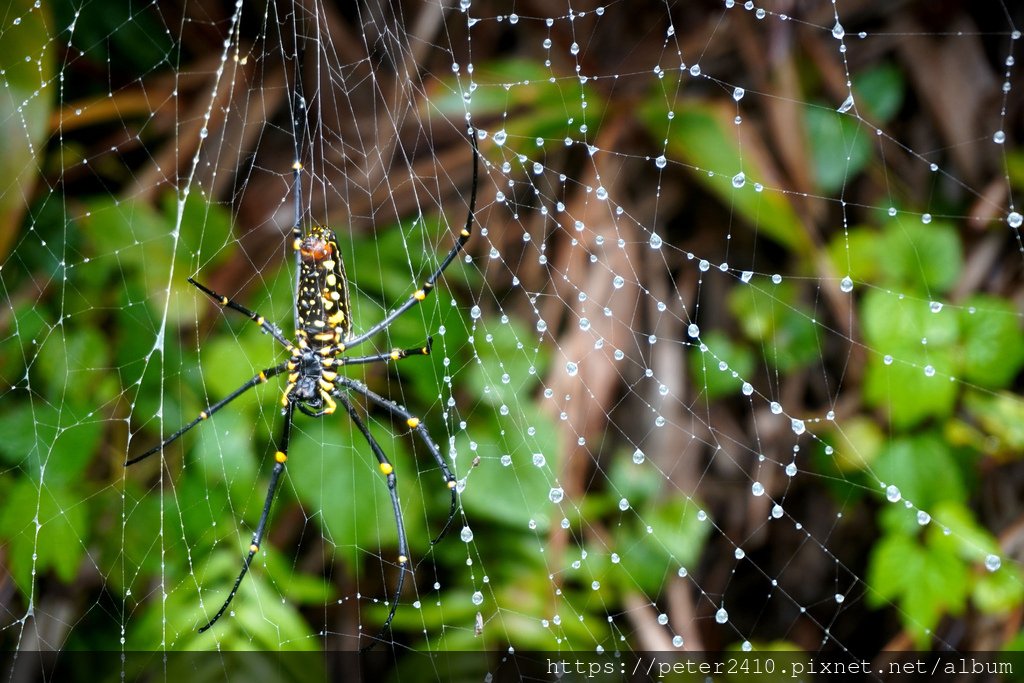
column 315, row 386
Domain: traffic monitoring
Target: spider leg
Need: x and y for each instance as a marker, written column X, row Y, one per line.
column 280, row 457
column 225, row 302
column 417, row 426
column 389, row 471
column 394, row 354
column 428, row 285
column 260, row 378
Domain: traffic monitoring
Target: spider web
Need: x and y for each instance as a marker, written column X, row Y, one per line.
column 732, row 360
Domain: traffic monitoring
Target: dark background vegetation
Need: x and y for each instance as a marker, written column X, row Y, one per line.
column 87, row 251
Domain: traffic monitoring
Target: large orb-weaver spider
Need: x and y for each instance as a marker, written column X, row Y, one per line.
column 323, row 335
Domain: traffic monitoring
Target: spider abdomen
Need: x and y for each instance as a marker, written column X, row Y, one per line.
column 322, row 307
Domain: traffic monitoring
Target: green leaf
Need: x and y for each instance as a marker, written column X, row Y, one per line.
column 59, row 542
column 1001, row 416
column 839, row 144
column 926, row 582
column 546, row 108
column 893, row 563
column 915, row 257
column 879, row 92
column 703, row 136
column 74, row 367
column 857, row 442
column 717, row 348
column 993, row 346
column 895, row 326
column 999, row 592
column 335, row 474
column 955, row 530
column 924, row 469
column 771, row 316
column 515, row 494
column 855, row 253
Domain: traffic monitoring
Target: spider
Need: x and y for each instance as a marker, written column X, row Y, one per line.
column 323, row 337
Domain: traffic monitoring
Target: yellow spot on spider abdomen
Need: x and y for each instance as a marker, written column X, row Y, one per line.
column 336, row 319
column 254, row 548
column 280, row 457
column 413, row 422
column 331, row 280
column 203, row 415
column 419, row 295
column 386, row 468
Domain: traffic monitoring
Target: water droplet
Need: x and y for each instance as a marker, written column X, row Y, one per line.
column 618, row 281
column 467, row 534
column 739, row 180
column 513, row 18
column 695, row 70
column 721, row 616
column 500, row 137
column 846, row 284
column 747, row 388
column 892, row 493
column 677, row 641
column 791, row 470
column 623, row 504
column 999, row 137
column 662, row 619
column 1014, row 219
column 693, row 330
column 798, row 426
column 923, row 518
column 838, row 31
column 757, row 488
column 464, row 4
column 638, row 457
column 661, row 161
column 571, row 369
column 601, row 193
column 655, row 241
column 556, row 494
column 539, row 460
column 840, row 598
column 777, row 511
column 847, row 104
column 929, row 371
column 993, row 562
column 506, row 460
column 738, row 93
column 478, row 598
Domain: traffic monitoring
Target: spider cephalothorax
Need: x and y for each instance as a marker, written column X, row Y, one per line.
column 323, row 335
